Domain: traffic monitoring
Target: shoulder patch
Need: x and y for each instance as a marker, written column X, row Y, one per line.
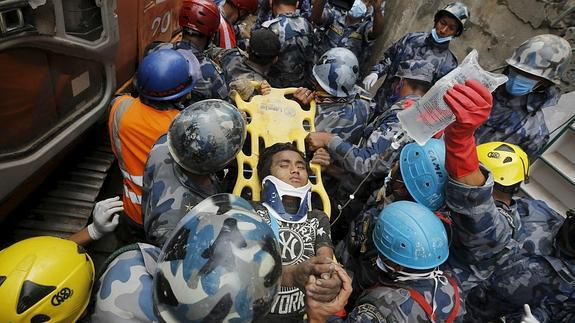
column 371, row 312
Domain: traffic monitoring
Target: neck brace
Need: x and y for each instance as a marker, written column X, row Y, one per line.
column 274, row 189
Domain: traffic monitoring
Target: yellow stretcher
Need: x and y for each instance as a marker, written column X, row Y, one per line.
column 274, row 118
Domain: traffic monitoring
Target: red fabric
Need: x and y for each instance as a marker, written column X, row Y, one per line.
column 471, row 103
column 226, row 34
column 419, row 299
column 341, row 313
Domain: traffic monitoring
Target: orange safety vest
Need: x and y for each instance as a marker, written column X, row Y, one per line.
column 226, row 34
column 134, row 128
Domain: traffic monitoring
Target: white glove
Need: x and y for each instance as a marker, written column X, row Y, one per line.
column 103, row 213
column 527, row 316
column 369, row 81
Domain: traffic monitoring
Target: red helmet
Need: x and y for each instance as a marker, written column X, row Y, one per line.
column 202, row 16
column 250, row 6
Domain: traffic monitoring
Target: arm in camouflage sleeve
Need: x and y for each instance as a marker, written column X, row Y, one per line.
column 383, row 65
column 361, row 160
column 479, row 225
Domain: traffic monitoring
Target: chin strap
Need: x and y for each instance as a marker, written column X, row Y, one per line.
column 438, row 278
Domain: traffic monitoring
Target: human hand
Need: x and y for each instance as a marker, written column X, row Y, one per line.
column 471, row 103
column 326, row 288
column 369, row 81
column 527, row 317
column 313, row 266
column 317, row 140
column 105, row 217
column 303, row 95
column 318, row 311
column 322, row 158
column 264, row 88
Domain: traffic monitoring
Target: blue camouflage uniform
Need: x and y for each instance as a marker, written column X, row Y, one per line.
column 265, row 12
column 124, row 291
column 236, row 64
column 395, row 302
column 344, row 117
column 418, row 46
column 295, row 60
column 169, row 193
column 337, row 33
column 212, row 84
column 519, row 120
column 504, row 255
column 365, row 157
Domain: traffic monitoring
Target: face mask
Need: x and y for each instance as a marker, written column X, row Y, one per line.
column 358, row 10
column 519, row 85
column 439, row 39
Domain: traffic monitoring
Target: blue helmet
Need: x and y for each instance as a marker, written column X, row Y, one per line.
column 206, row 136
column 423, row 172
column 167, row 74
column 221, row 264
column 411, row 235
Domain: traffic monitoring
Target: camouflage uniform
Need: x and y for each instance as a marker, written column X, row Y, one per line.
column 212, row 84
column 298, row 243
column 519, row 120
column 366, row 157
column 393, row 302
column 265, row 12
column 236, row 64
column 419, row 46
column 293, row 67
column 124, row 291
column 344, row 117
column 335, row 32
column 169, row 193
column 505, row 257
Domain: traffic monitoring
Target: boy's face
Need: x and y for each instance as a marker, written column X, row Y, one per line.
column 289, row 167
column 446, row 26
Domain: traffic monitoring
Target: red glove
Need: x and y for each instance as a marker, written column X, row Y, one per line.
column 471, row 103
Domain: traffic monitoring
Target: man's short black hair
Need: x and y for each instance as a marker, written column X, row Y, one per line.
column 284, row 2
column 264, row 46
column 418, row 85
column 266, row 157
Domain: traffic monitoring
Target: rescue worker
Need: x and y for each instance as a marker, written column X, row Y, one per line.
column 432, row 47
column 419, row 175
column 228, row 266
column 506, row 249
column 295, row 33
column 251, row 66
column 163, row 80
column 232, row 13
column 265, row 12
column 412, row 246
column 304, row 234
column 360, row 168
column 534, row 71
column 341, row 109
column 44, row 279
column 181, row 167
column 199, row 20
column 106, row 216
column 355, row 30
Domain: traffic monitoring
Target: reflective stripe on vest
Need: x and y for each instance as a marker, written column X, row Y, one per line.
column 227, row 35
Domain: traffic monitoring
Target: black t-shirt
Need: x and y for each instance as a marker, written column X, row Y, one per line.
column 298, row 243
